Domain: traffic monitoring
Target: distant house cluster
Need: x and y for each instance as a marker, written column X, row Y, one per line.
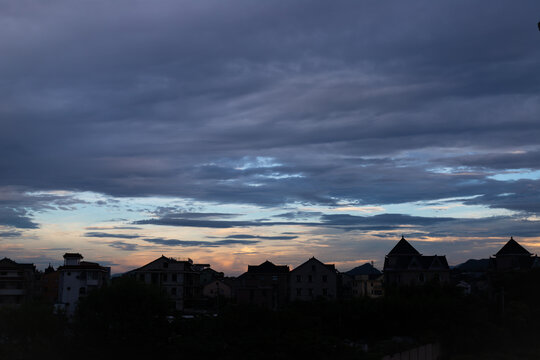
column 268, row 285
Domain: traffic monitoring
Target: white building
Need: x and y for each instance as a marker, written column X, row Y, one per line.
column 77, row 278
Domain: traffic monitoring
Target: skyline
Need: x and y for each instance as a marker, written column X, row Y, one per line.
column 235, row 132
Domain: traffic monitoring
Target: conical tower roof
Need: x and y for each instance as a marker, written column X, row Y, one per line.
column 513, row 248
column 403, row 248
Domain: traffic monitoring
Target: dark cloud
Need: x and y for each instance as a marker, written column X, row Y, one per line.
column 194, row 243
column 340, row 96
column 212, row 223
column 18, row 205
column 383, row 219
column 174, row 212
column 121, row 245
column 109, row 235
column 10, row 234
column 299, row 215
column 272, row 103
column 498, row 161
column 246, row 236
column 17, row 218
column 113, row 228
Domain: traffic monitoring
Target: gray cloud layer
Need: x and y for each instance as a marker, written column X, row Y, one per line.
column 269, row 103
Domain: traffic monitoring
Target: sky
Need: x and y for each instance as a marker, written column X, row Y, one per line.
column 232, row 132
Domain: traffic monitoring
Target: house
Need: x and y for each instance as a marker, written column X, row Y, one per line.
column 513, row 257
column 264, row 285
column 217, row 288
column 313, row 279
column 404, row 265
column 209, row 275
column 49, row 284
column 366, row 281
column 17, row 282
column 77, row 278
column 180, row 279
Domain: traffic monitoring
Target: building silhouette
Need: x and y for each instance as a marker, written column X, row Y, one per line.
column 366, row 281
column 313, row 279
column 404, row 266
column 265, row 285
column 17, row 282
column 513, row 257
column 180, row 279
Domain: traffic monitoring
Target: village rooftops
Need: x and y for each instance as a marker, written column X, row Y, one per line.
column 366, row 269
column 268, row 267
column 7, row 263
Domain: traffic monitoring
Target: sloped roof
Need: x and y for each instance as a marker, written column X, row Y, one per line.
column 403, row 248
column 434, row 261
column 72, row 255
column 160, row 259
column 366, row 269
column 512, row 248
column 8, row 263
column 268, row 267
column 331, row 267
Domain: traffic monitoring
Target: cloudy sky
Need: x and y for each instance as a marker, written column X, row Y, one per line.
column 232, row 132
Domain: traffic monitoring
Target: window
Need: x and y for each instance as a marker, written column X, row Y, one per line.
column 68, row 274
column 310, row 292
column 274, row 278
column 298, row 292
column 165, row 265
column 325, row 278
column 421, row 277
column 68, row 288
column 313, row 268
column 310, row 278
column 325, row 292
column 174, row 277
column 298, row 278
column 82, row 291
column 173, row 291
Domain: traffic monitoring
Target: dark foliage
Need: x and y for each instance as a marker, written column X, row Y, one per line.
column 129, row 319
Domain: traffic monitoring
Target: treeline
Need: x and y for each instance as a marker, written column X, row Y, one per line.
column 130, row 319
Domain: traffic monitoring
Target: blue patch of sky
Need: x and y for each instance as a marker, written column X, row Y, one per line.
column 517, row 174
